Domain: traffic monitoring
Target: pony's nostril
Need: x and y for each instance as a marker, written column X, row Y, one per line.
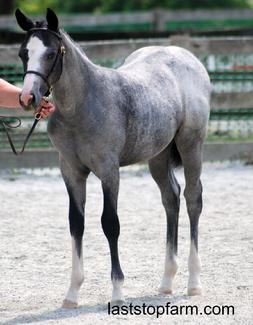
column 31, row 99
column 26, row 98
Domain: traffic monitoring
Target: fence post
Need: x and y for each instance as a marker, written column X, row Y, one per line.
column 159, row 20
column 183, row 40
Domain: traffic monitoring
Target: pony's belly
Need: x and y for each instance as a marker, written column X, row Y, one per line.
column 143, row 152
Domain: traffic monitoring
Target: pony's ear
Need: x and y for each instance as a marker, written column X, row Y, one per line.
column 24, row 22
column 52, row 20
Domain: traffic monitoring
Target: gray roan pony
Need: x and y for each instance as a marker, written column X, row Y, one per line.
column 154, row 107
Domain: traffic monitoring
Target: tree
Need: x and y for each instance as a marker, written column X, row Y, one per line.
column 102, row 6
column 138, row 5
column 36, row 6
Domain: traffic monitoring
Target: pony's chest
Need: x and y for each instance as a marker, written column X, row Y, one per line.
column 60, row 133
column 69, row 141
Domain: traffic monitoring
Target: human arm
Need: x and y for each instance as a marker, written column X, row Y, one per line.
column 9, row 97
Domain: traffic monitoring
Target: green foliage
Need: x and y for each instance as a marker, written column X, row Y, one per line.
column 138, row 5
column 87, row 6
column 131, row 5
column 36, row 6
column 180, row 4
column 79, row 6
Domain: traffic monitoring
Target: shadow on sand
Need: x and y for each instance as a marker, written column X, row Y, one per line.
column 60, row 313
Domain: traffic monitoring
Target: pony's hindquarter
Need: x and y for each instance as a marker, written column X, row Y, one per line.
column 194, row 85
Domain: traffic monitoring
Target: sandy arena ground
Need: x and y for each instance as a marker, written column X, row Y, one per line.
column 35, row 254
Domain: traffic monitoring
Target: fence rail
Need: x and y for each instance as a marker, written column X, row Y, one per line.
column 118, row 50
column 231, row 110
column 156, row 20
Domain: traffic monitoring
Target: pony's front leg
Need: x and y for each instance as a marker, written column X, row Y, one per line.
column 76, row 186
column 111, row 228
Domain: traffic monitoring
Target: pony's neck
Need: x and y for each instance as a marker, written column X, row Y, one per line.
column 69, row 90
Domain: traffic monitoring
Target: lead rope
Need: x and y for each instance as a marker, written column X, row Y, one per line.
column 9, row 125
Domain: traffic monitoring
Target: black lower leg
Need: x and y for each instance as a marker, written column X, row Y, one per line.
column 171, row 202
column 194, row 208
column 76, row 221
column 111, row 228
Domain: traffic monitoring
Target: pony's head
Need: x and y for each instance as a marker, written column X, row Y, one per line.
column 42, row 54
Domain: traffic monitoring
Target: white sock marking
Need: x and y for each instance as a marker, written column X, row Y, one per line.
column 170, row 270
column 194, row 267
column 76, row 274
column 117, row 294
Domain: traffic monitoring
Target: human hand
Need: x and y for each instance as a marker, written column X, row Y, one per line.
column 45, row 108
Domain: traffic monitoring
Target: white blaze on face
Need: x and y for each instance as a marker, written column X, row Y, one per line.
column 36, row 49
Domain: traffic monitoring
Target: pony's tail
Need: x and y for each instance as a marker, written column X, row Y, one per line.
column 175, row 158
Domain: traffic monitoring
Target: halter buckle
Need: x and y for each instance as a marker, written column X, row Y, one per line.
column 37, row 116
column 62, row 49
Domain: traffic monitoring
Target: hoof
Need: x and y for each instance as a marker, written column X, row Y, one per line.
column 118, row 303
column 164, row 291
column 194, row 291
column 69, row 304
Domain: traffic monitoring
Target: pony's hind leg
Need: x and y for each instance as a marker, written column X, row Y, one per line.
column 75, row 182
column 162, row 171
column 191, row 154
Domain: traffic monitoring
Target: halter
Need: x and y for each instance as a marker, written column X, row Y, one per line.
column 4, row 122
column 60, row 53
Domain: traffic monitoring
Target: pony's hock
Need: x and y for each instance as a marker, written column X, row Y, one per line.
column 154, row 107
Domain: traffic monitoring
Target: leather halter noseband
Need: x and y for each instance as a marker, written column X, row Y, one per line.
column 60, row 53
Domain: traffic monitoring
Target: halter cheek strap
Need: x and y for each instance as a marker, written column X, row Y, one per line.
column 60, row 53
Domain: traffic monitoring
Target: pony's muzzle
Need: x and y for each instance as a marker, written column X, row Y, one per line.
column 26, row 98
column 27, row 102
